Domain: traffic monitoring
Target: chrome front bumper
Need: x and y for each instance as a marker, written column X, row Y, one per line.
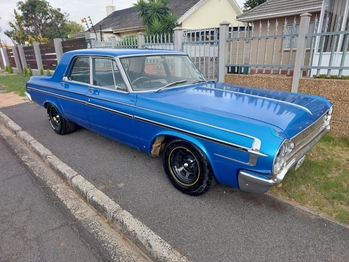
column 253, row 182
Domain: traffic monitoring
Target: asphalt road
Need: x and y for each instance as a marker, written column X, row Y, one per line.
column 222, row 225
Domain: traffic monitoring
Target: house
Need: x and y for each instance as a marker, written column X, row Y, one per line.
column 192, row 14
column 283, row 16
column 281, row 9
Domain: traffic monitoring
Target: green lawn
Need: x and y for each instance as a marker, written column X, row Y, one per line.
column 13, row 82
column 322, row 182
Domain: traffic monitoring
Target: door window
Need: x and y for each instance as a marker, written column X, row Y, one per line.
column 81, row 70
column 106, row 74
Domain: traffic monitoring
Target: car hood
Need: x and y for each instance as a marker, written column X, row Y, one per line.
column 221, row 105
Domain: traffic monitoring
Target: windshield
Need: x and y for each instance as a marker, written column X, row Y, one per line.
column 154, row 73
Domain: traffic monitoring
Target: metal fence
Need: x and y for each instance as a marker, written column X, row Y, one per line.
column 201, row 46
column 159, row 42
column 252, row 51
column 294, row 48
column 273, row 49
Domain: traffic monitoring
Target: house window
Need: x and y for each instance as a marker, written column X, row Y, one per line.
column 293, row 29
column 335, row 19
column 203, row 35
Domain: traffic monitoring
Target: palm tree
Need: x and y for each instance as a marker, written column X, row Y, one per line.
column 250, row 4
column 156, row 16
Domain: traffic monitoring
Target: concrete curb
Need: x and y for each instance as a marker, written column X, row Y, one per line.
column 150, row 243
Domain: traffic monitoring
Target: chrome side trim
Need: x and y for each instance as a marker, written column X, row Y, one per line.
column 256, row 145
column 56, row 95
column 254, row 151
column 110, row 110
column 253, row 159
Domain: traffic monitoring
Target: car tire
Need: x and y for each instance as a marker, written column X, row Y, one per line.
column 58, row 123
column 187, row 168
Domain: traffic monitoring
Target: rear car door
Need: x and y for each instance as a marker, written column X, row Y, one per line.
column 72, row 95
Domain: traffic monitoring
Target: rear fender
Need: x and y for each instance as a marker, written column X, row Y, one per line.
column 54, row 102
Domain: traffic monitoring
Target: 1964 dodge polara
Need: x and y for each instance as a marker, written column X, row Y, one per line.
column 158, row 102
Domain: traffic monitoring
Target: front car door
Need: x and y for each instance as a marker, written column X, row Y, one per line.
column 110, row 105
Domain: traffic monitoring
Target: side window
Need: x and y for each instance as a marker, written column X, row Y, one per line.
column 106, row 74
column 81, row 70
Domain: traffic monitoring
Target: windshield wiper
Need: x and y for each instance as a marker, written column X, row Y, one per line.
column 197, row 82
column 172, row 84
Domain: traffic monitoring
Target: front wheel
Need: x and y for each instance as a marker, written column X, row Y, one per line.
column 187, row 168
column 58, row 123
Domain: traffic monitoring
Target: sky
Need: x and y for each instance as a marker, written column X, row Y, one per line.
column 77, row 9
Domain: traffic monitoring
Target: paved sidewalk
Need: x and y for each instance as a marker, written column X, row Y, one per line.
column 116, row 235
column 36, row 226
column 31, row 226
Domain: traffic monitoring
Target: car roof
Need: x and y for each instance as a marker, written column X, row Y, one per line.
column 121, row 52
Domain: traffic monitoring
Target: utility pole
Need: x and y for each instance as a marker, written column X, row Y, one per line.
column 87, row 24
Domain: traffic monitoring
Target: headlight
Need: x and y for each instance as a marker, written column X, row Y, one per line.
column 328, row 116
column 281, row 156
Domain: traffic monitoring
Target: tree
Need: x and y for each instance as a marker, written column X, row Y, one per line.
column 73, row 27
column 41, row 19
column 249, row 4
column 40, row 23
column 156, row 16
column 17, row 32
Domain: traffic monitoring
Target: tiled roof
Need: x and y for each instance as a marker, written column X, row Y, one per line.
column 280, row 8
column 124, row 19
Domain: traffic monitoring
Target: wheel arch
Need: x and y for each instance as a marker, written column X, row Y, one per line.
column 159, row 142
column 54, row 103
column 165, row 137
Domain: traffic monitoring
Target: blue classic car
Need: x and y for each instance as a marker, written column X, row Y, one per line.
column 158, row 102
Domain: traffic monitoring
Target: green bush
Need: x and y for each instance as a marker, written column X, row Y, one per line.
column 30, row 72
column 41, row 71
column 25, row 71
column 324, row 76
column 10, row 70
column 48, row 72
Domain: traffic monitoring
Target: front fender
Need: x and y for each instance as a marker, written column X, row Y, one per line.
column 170, row 135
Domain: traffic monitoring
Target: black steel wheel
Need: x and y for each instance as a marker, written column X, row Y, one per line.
column 187, row 168
column 58, row 123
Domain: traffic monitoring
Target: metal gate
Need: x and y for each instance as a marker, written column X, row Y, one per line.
column 202, row 46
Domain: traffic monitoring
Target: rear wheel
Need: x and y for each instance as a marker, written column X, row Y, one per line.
column 187, row 168
column 58, row 123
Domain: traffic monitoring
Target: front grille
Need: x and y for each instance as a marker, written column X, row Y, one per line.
column 308, row 135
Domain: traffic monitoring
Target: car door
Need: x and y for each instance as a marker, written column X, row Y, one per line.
column 72, row 95
column 110, row 105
